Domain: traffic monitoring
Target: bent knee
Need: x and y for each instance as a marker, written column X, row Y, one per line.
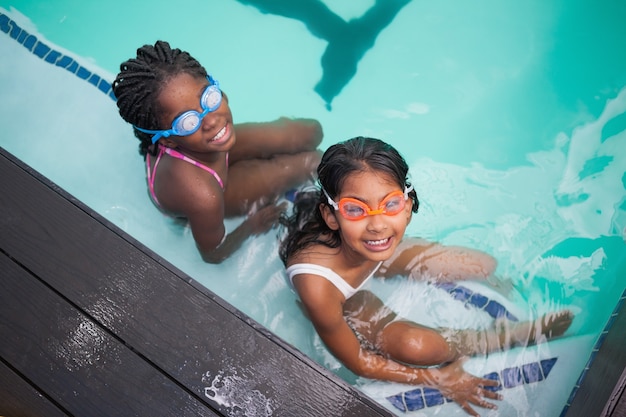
column 415, row 344
column 307, row 132
column 296, row 168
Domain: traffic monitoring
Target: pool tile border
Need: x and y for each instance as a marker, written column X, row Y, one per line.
column 420, row 398
column 52, row 56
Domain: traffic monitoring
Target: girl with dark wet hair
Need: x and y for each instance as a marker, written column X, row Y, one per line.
column 352, row 229
column 201, row 166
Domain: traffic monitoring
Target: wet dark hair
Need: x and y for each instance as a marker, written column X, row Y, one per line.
column 140, row 81
column 306, row 225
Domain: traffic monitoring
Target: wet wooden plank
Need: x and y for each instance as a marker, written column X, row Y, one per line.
column 75, row 361
column 620, row 407
column 19, row 398
column 221, row 356
column 601, row 390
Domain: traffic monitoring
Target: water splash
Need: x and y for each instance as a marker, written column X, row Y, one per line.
column 236, row 393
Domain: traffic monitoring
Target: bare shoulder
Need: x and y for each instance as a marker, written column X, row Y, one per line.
column 187, row 190
column 317, row 254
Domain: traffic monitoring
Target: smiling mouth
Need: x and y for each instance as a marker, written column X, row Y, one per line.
column 380, row 242
column 219, row 134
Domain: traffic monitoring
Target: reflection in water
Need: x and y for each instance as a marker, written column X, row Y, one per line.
column 347, row 41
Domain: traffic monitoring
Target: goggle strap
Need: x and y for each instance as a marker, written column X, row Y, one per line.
column 158, row 134
column 330, row 200
column 407, row 190
column 146, row 130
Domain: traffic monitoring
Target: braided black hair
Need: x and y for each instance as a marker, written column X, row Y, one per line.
column 140, row 81
column 306, row 226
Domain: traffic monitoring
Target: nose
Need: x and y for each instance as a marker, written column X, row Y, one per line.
column 208, row 121
column 376, row 223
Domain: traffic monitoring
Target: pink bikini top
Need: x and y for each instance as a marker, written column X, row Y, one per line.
column 175, row 154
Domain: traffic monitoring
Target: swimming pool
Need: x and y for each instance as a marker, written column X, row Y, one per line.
column 515, row 147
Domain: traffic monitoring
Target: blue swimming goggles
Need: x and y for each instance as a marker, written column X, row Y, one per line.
column 189, row 122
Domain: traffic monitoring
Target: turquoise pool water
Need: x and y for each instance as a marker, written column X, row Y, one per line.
column 512, row 116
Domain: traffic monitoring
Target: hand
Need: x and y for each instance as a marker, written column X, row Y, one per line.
column 265, row 218
column 464, row 388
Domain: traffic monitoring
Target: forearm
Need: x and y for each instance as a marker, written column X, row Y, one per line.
column 229, row 245
column 451, row 380
column 380, row 368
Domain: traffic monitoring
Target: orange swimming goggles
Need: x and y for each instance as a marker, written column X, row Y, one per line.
column 353, row 209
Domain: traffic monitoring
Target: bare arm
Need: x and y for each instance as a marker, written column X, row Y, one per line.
column 323, row 304
column 199, row 199
column 255, row 224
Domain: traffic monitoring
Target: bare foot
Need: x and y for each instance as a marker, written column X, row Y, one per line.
column 548, row 326
column 506, row 334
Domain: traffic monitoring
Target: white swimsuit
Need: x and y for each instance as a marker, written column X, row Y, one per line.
column 346, row 289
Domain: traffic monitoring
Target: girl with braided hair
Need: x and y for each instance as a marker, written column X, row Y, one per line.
column 200, row 166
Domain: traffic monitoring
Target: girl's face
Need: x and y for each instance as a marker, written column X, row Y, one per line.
column 373, row 237
column 182, row 93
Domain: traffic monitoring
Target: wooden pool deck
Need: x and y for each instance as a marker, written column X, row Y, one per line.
column 95, row 324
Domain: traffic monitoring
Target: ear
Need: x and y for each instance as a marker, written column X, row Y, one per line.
column 329, row 217
column 167, row 142
column 408, row 210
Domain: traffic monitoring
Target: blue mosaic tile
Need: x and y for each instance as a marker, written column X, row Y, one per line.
column 83, row 73
column 461, row 293
column 104, row 86
column 396, row 401
column 494, row 376
column 40, row 49
column 433, row 397
column 446, row 285
column 4, row 23
column 497, row 310
column 53, row 56
column 73, row 67
column 15, row 30
column 491, row 307
column 22, row 36
column 515, row 376
column 512, row 377
column 478, row 300
column 30, row 42
column 94, row 80
column 64, row 61
column 547, row 365
column 414, row 400
column 532, row 372
column 510, row 316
